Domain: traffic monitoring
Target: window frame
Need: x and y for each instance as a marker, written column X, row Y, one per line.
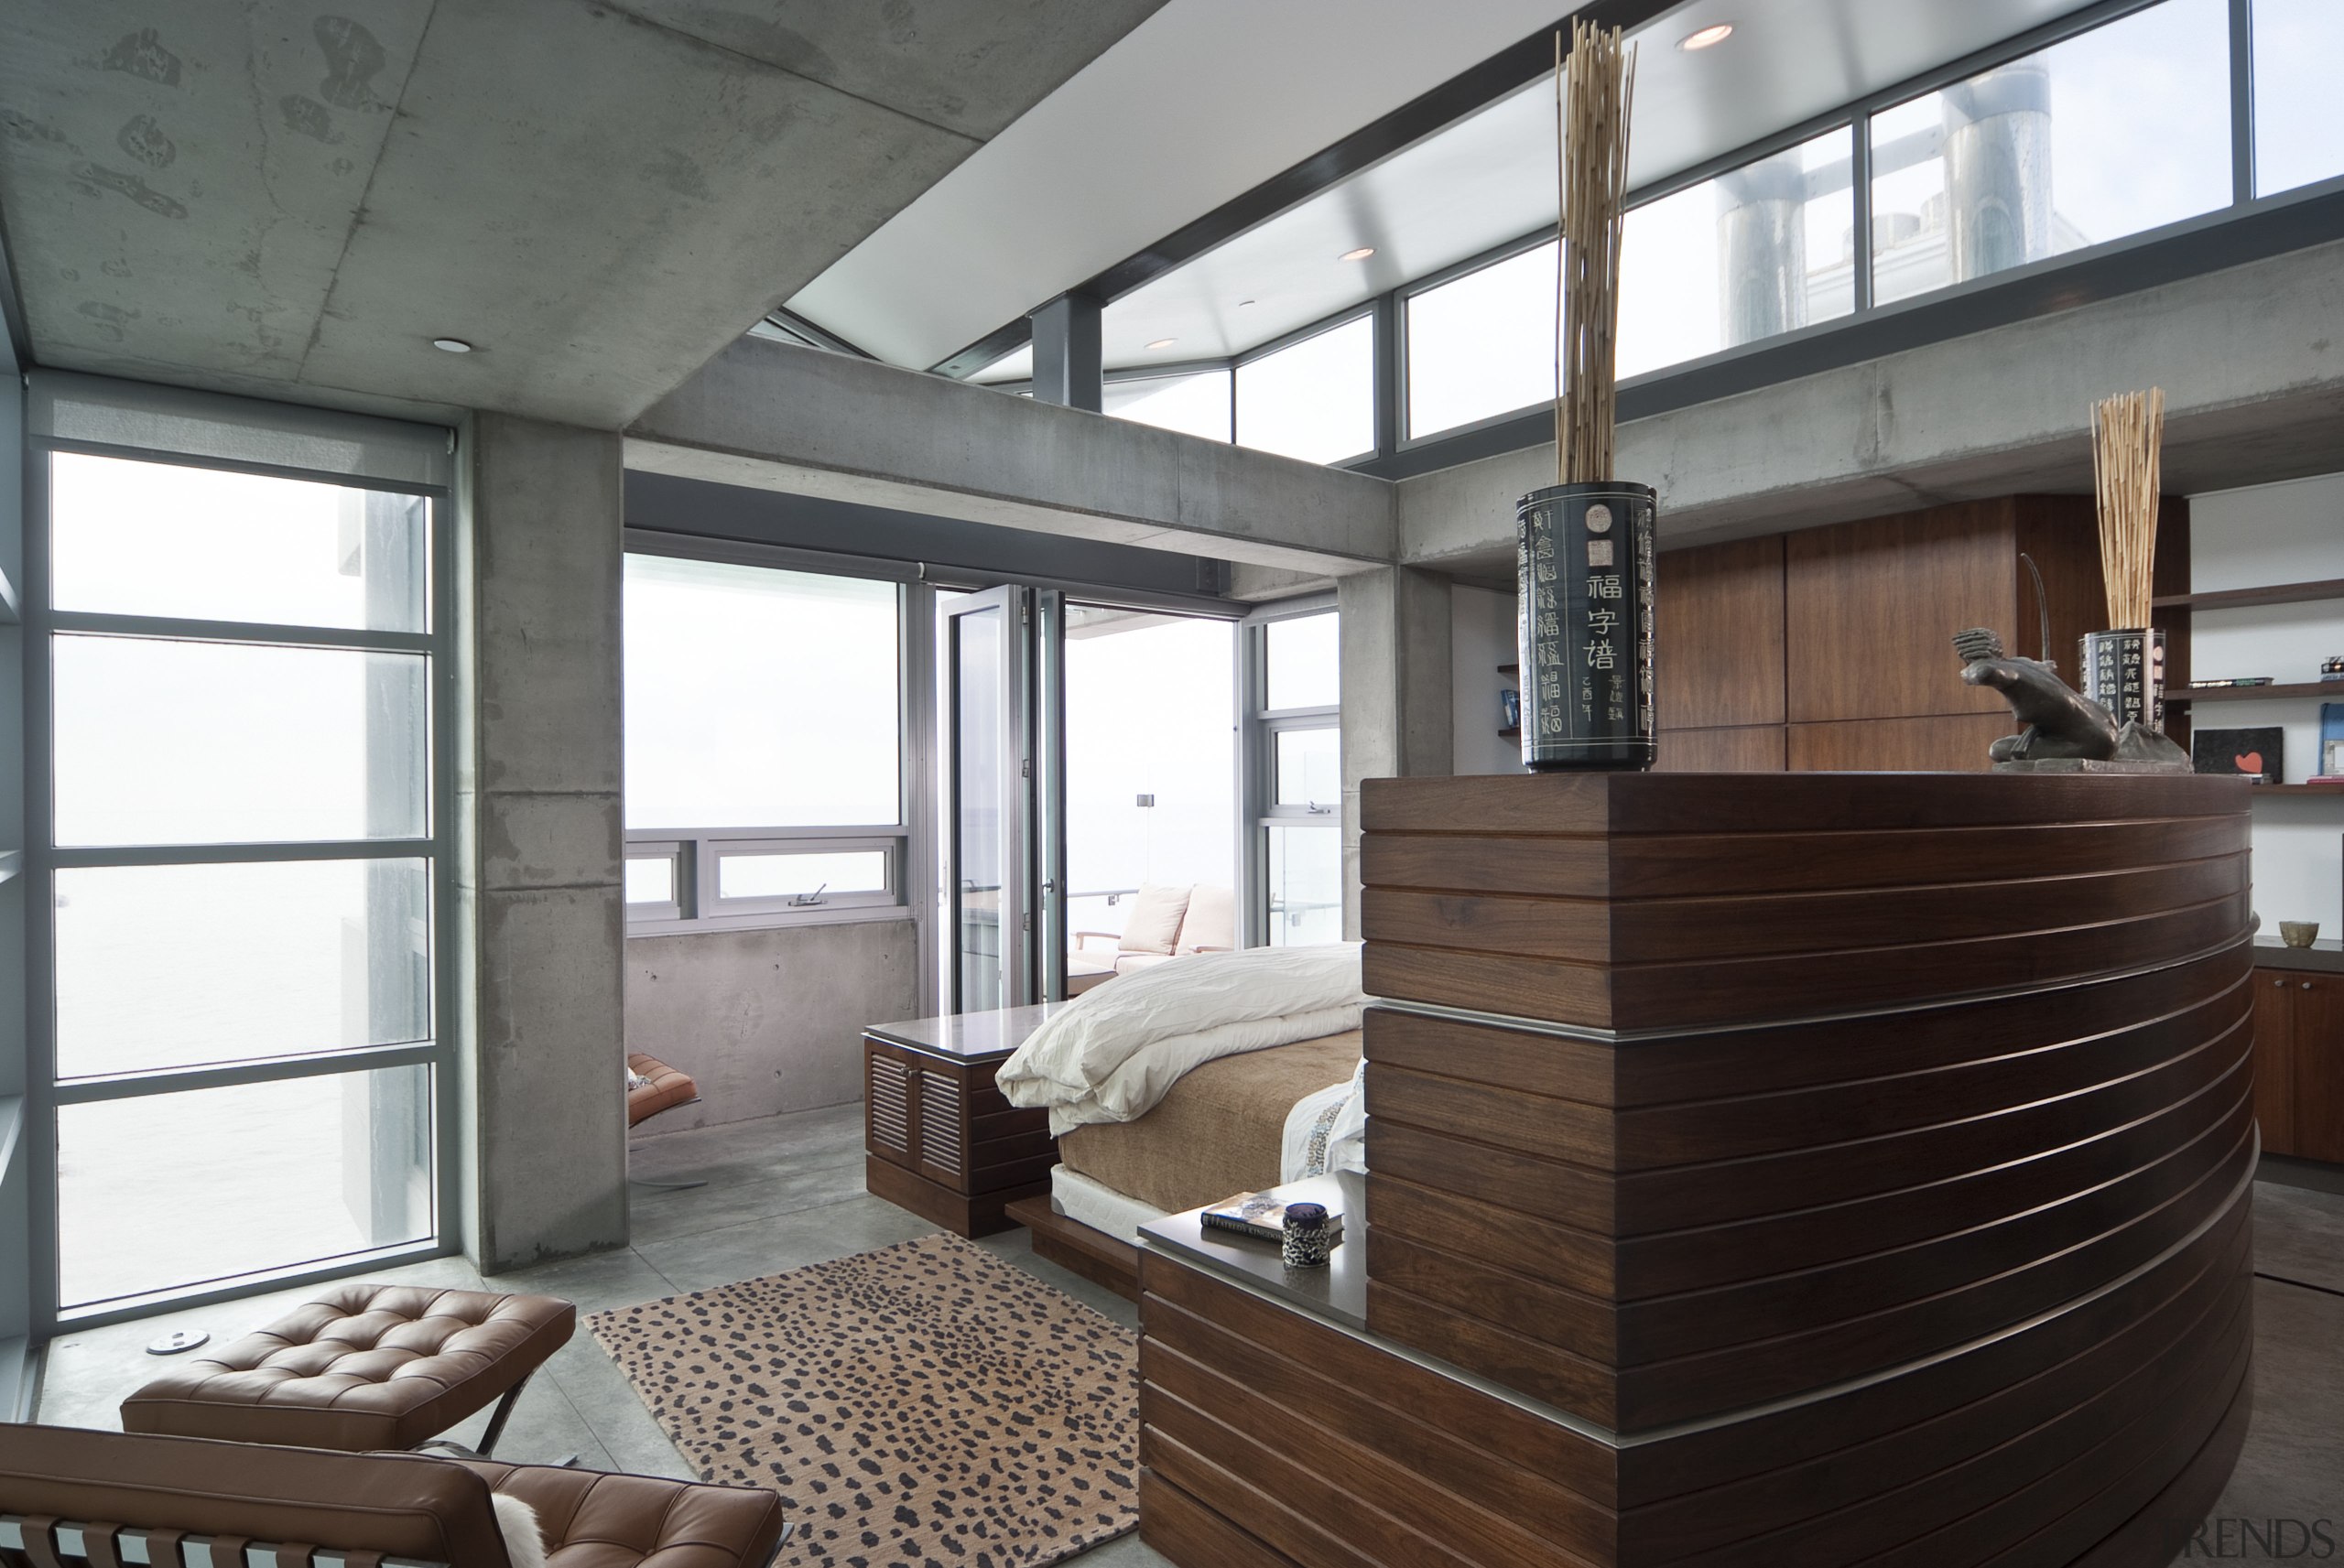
column 1257, row 758
column 47, row 1094
column 698, row 849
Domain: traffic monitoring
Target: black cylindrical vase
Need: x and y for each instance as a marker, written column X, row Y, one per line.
column 2124, row 673
column 1584, row 553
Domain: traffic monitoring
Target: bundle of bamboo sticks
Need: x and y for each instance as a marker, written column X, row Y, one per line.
column 1594, row 87
column 2127, row 446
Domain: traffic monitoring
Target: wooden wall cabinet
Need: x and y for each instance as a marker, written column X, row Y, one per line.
column 1831, row 649
column 2299, row 1061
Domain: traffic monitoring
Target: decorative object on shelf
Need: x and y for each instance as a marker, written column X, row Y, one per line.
column 2332, row 667
column 1509, row 707
column 2123, row 668
column 1308, row 1241
column 2331, row 739
column 2259, row 753
column 2299, row 932
column 2231, row 683
column 2066, row 731
column 1584, row 545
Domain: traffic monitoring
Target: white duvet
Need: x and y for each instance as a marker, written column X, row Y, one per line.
column 1117, row 1049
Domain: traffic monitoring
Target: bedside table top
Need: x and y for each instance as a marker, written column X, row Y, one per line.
column 968, row 1036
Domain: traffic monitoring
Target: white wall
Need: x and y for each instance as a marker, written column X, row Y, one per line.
column 2246, row 539
column 1481, row 637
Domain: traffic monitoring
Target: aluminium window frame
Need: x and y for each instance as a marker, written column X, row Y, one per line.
column 45, row 1095
column 1258, row 728
column 697, row 850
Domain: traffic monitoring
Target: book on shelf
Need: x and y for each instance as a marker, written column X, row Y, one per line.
column 1260, row 1216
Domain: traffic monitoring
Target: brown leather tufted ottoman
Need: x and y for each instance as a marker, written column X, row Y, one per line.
column 361, row 1366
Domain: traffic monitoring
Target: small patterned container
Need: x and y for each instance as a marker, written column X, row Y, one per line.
column 1309, row 1240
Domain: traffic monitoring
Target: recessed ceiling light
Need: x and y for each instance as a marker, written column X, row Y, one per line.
column 1162, row 343
column 452, row 345
column 1359, row 254
column 1706, row 37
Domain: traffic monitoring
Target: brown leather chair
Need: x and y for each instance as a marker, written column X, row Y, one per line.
column 360, row 1367
column 663, row 1088
column 411, row 1506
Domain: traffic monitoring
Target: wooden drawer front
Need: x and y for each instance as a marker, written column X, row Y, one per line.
column 2318, row 1043
column 887, row 1104
column 2274, row 1059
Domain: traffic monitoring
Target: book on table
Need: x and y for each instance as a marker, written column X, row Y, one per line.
column 1260, row 1216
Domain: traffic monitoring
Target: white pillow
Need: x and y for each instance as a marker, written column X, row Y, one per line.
column 1212, row 919
column 1153, row 923
column 525, row 1541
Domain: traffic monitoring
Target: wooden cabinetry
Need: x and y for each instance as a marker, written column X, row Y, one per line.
column 2299, row 1061
column 938, row 1138
column 1830, row 649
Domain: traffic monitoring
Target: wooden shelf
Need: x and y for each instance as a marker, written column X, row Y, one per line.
column 2333, row 791
column 2242, row 597
column 1509, row 669
column 2328, row 688
column 1511, row 732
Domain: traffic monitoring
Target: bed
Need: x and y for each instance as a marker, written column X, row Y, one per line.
column 1185, row 1084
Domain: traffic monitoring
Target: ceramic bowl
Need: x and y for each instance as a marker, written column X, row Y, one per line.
column 2298, row 932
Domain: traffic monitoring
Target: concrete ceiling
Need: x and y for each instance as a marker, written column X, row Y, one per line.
column 295, row 199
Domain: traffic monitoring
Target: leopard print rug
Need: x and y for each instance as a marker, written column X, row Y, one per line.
column 923, row 1406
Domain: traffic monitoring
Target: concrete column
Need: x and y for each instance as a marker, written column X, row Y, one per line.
column 543, row 1110
column 1398, row 721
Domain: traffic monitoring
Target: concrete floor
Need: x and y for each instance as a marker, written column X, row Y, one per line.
column 789, row 1191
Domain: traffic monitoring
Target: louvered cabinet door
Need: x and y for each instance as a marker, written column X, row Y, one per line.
column 888, row 1089
column 943, row 1147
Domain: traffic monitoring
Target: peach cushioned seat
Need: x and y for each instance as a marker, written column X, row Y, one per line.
column 361, row 1366
column 666, row 1089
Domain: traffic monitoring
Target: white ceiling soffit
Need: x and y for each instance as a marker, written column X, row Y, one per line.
column 1195, row 106
column 1476, row 184
column 1490, row 179
column 279, row 196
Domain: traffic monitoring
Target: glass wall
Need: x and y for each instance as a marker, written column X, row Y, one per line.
column 1482, row 344
column 1295, row 681
column 243, row 815
column 1755, row 253
column 753, row 789
column 1151, row 771
column 2114, row 131
column 1196, row 403
column 2298, row 134
column 1314, row 399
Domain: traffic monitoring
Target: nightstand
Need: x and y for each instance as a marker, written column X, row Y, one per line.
column 939, row 1139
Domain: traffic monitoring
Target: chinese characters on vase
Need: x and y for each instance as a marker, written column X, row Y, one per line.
column 1584, row 556
column 2124, row 673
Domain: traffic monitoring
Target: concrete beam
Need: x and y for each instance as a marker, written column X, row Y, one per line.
column 776, row 416
column 2252, row 360
column 542, row 916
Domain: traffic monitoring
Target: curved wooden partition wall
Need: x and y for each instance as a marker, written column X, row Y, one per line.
column 1765, row 1168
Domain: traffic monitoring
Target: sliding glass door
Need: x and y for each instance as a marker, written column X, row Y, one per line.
column 1001, row 845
